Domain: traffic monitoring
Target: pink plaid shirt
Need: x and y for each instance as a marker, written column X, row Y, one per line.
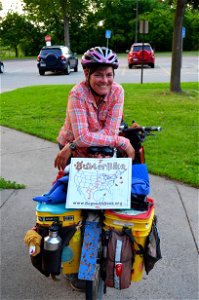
column 87, row 124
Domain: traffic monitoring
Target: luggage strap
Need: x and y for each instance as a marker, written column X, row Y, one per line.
column 128, row 232
column 68, row 233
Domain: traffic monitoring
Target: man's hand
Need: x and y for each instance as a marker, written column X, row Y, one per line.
column 130, row 152
column 62, row 157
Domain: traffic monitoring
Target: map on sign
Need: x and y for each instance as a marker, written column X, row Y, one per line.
column 99, row 183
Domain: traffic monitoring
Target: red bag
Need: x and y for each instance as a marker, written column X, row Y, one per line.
column 120, row 259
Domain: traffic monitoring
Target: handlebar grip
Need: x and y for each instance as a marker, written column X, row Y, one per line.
column 152, row 128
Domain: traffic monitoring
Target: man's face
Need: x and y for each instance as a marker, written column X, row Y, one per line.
column 101, row 80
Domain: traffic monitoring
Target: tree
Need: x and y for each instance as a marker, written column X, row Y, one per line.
column 160, row 28
column 117, row 16
column 47, row 11
column 191, row 23
column 17, row 32
column 175, row 85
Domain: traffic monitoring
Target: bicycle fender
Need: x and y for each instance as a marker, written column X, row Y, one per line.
column 89, row 251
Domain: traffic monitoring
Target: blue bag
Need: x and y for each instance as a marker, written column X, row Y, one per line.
column 140, row 180
column 57, row 193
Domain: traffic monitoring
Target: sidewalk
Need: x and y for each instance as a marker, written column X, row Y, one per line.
column 29, row 160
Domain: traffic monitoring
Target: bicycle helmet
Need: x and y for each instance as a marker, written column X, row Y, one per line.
column 100, row 55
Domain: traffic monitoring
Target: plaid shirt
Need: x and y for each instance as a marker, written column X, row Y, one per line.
column 88, row 124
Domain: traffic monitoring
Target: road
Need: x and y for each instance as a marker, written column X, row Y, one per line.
column 21, row 73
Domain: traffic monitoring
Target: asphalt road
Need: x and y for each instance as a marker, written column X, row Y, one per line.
column 21, row 73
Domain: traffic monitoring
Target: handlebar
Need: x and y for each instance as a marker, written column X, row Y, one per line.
column 140, row 129
column 144, row 129
column 136, row 135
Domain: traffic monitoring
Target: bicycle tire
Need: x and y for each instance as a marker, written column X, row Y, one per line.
column 92, row 287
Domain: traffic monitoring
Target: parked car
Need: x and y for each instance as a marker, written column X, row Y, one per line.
column 1, row 67
column 141, row 52
column 57, row 58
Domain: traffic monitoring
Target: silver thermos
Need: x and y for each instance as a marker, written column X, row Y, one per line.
column 52, row 242
column 52, row 251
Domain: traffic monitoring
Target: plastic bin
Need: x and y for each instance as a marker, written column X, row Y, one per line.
column 46, row 214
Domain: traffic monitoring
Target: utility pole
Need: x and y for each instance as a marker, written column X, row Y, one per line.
column 107, row 36
column 144, row 29
column 136, row 23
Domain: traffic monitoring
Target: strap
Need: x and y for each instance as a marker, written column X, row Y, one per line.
column 118, row 254
column 68, row 236
column 128, row 232
column 67, row 233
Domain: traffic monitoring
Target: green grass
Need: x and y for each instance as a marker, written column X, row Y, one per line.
column 7, row 184
column 169, row 54
column 172, row 153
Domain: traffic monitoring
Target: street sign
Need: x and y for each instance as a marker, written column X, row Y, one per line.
column 183, row 32
column 108, row 34
column 47, row 38
column 144, row 27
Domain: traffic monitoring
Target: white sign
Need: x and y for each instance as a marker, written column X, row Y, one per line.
column 99, row 183
column 144, row 26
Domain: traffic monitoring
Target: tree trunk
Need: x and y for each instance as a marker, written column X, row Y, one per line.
column 175, row 85
column 66, row 31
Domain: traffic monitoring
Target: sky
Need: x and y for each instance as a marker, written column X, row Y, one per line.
column 15, row 5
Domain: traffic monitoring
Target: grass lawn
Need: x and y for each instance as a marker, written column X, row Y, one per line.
column 173, row 153
column 7, row 184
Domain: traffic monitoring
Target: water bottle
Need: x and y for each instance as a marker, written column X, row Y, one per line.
column 52, row 251
column 52, row 242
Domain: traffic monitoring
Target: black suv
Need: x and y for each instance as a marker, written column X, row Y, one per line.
column 1, row 67
column 57, row 58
